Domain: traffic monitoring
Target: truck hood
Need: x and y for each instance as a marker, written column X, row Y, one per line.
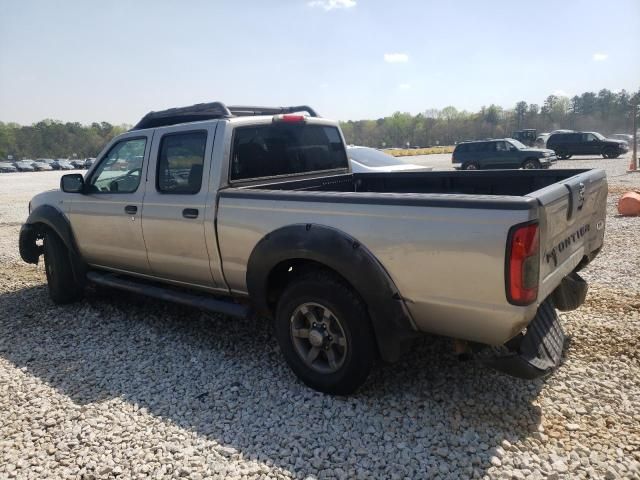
column 537, row 150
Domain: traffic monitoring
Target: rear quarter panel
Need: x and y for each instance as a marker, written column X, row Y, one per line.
column 448, row 263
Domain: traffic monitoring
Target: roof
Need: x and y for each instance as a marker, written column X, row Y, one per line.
column 211, row 111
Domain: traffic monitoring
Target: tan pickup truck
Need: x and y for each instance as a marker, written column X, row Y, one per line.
column 251, row 210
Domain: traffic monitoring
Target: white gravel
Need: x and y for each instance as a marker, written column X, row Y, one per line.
column 119, row 386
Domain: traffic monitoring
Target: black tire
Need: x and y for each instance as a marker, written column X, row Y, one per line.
column 326, row 290
column 63, row 287
column 471, row 166
column 531, row 163
column 610, row 154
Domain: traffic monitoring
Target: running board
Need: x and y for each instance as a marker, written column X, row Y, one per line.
column 202, row 302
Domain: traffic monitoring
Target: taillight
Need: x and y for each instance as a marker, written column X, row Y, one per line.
column 523, row 264
column 287, row 118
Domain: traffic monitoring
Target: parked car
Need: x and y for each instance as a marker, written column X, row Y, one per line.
column 24, row 165
column 568, row 144
column 63, row 165
column 50, row 161
column 351, row 267
column 7, row 167
column 88, row 162
column 526, row 136
column 541, row 140
column 77, row 163
column 500, row 153
column 41, row 166
column 365, row 159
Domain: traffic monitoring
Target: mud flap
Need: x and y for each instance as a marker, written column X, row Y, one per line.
column 571, row 293
column 536, row 353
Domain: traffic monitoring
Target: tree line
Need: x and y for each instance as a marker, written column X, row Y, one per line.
column 55, row 139
column 606, row 112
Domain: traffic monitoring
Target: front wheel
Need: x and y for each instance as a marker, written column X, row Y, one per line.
column 531, row 164
column 325, row 334
column 610, row 154
column 63, row 287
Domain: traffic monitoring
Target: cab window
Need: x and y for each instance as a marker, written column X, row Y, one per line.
column 180, row 163
column 121, row 169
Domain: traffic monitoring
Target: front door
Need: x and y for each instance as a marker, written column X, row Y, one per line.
column 591, row 144
column 175, row 204
column 106, row 219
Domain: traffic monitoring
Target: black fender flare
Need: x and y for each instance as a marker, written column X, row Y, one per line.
column 338, row 251
column 53, row 219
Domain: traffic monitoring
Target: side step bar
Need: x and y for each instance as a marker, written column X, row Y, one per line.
column 202, row 302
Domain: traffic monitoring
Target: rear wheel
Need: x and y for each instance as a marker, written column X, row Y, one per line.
column 531, row 164
column 563, row 155
column 63, row 287
column 325, row 334
column 471, row 166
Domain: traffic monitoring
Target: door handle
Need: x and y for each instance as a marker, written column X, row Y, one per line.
column 190, row 213
column 130, row 209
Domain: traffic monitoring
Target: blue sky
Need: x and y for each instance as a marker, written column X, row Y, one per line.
column 350, row 59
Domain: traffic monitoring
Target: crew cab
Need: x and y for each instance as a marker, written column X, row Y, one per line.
column 255, row 211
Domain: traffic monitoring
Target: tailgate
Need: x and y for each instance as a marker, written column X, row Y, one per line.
column 572, row 220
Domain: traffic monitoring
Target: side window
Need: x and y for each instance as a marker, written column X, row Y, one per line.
column 120, row 169
column 488, row 147
column 180, row 163
column 501, row 146
column 589, row 137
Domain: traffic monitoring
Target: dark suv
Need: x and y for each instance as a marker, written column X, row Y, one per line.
column 567, row 144
column 500, row 153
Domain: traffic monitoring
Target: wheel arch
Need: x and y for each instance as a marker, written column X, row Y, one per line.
column 300, row 247
column 48, row 218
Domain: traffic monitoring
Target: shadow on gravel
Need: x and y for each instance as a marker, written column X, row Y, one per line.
column 225, row 380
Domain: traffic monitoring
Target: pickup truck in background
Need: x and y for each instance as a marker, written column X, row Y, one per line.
column 245, row 210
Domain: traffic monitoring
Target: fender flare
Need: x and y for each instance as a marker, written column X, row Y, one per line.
column 55, row 220
column 338, row 251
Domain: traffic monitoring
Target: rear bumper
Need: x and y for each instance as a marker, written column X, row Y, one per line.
column 537, row 352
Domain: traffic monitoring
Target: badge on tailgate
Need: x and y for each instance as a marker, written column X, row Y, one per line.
column 565, row 243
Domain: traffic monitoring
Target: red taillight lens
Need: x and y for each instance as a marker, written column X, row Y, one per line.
column 523, row 264
column 287, row 118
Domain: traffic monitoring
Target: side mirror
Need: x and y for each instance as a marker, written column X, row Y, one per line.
column 72, row 183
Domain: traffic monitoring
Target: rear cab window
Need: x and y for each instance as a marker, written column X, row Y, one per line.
column 281, row 149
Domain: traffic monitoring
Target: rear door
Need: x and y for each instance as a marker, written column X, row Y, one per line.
column 507, row 155
column 176, row 202
column 572, row 220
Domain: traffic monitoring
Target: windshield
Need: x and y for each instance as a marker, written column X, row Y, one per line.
column 517, row 144
column 598, row 135
column 372, row 157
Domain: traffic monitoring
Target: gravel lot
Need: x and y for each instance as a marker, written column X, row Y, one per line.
column 121, row 386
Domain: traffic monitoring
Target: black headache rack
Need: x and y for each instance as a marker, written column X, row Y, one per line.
column 212, row 111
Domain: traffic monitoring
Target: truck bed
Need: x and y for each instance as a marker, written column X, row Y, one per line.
column 441, row 236
column 489, row 182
